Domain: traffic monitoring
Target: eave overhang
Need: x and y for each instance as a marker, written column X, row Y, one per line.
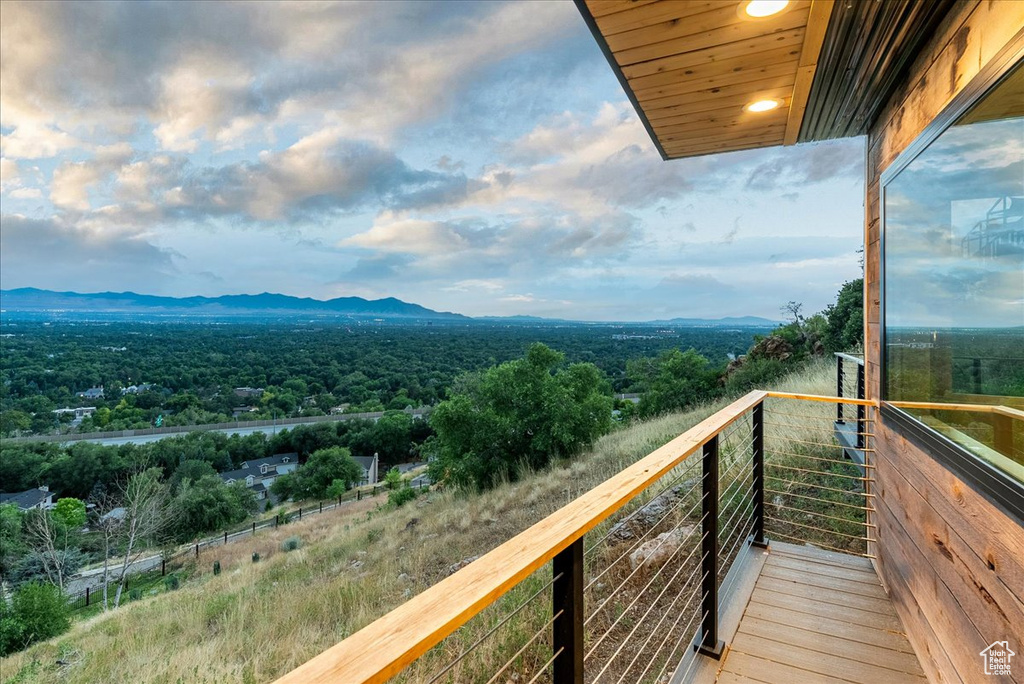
column 691, row 67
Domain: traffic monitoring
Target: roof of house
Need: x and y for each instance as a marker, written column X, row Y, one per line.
column 365, row 461
column 26, row 499
column 691, row 69
column 252, row 467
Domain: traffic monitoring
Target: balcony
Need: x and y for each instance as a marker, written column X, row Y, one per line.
column 742, row 548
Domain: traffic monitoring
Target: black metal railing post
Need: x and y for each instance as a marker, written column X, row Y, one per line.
column 710, row 644
column 839, row 389
column 87, row 597
column 861, row 409
column 758, row 484
column 567, row 605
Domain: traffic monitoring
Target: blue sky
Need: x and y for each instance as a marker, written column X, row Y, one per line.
column 471, row 157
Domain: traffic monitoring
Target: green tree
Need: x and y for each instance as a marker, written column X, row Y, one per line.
column 337, row 488
column 672, row 381
column 207, row 505
column 70, row 512
column 845, row 329
column 313, row 479
column 191, row 470
column 13, row 421
column 12, row 543
column 523, row 412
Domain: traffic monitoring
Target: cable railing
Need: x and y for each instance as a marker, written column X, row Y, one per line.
column 628, row 582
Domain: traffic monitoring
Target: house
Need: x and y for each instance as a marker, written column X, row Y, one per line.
column 40, row 498
column 369, row 466
column 936, row 90
column 77, row 413
column 248, row 392
column 91, row 393
column 136, row 389
column 259, row 474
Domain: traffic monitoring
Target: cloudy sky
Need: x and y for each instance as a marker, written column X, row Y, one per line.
column 471, row 157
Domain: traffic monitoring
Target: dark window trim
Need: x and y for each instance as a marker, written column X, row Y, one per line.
column 988, row 480
column 993, row 484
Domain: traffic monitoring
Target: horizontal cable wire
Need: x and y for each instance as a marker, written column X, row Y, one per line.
column 819, row 544
column 812, row 527
column 668, row 634
column 639, row 594
column 823, row 515
column 640, row 508
column 622, row 643
column 639, row 541
column 654, row 631
column 824, row 460
column 811, row 498
column 494, row 629
column 525, row 646
column 824, row 415
column 858, row 478
column 546, row 665
column 693, row 661
column 830, row 429
column 822, row 487
column 614, row 591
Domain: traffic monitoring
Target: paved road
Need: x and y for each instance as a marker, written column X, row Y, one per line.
column 93, row 579
column 227, row 430
column 142, row 439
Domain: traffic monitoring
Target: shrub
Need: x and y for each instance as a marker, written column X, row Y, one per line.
column 401, row 496
column 171, row 582
column 291, row 543
column 12, row 631
column 282, row 517
column 38, row 611
column 393, row 479
column 134, row 594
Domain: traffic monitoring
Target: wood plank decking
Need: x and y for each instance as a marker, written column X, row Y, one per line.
column 818, row 616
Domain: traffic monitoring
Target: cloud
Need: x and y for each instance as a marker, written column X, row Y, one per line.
column 817, row 163
column 225, row 73
column 35, row 251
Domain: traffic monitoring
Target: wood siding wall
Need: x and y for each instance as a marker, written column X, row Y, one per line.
column 952, row 561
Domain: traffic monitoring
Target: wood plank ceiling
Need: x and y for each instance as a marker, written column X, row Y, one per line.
column 691, row 67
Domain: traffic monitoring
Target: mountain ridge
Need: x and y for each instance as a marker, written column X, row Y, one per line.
column 31, row 300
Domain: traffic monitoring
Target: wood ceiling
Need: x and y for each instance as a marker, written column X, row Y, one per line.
column 691, row 66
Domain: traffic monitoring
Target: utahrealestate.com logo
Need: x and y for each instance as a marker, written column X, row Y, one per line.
column 997, row 658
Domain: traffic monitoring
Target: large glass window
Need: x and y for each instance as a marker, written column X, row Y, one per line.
column 954, row 280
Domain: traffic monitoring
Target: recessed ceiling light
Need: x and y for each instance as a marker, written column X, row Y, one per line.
column 759, row 9
column 763, row 105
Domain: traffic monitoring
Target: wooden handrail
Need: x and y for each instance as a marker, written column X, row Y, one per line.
column 976, row 408
column 823, row 398
column 383, row 648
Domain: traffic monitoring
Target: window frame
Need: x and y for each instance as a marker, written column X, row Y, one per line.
column 997, row 486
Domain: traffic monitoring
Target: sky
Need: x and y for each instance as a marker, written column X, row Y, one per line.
column 477, row 157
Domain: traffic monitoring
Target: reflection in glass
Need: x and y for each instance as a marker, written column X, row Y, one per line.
column 954, row 279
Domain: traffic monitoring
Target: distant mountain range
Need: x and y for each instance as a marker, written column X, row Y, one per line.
column 35, row 304
column 130, row 304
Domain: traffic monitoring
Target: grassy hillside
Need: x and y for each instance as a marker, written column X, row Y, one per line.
column 254, row 622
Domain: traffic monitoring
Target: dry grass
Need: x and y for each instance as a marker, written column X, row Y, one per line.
column 255, row 622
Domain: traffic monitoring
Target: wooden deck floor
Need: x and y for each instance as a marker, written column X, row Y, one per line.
column 817, row 616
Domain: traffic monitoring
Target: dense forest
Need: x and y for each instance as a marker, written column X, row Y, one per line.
column 171, row 374
column 506, row 398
